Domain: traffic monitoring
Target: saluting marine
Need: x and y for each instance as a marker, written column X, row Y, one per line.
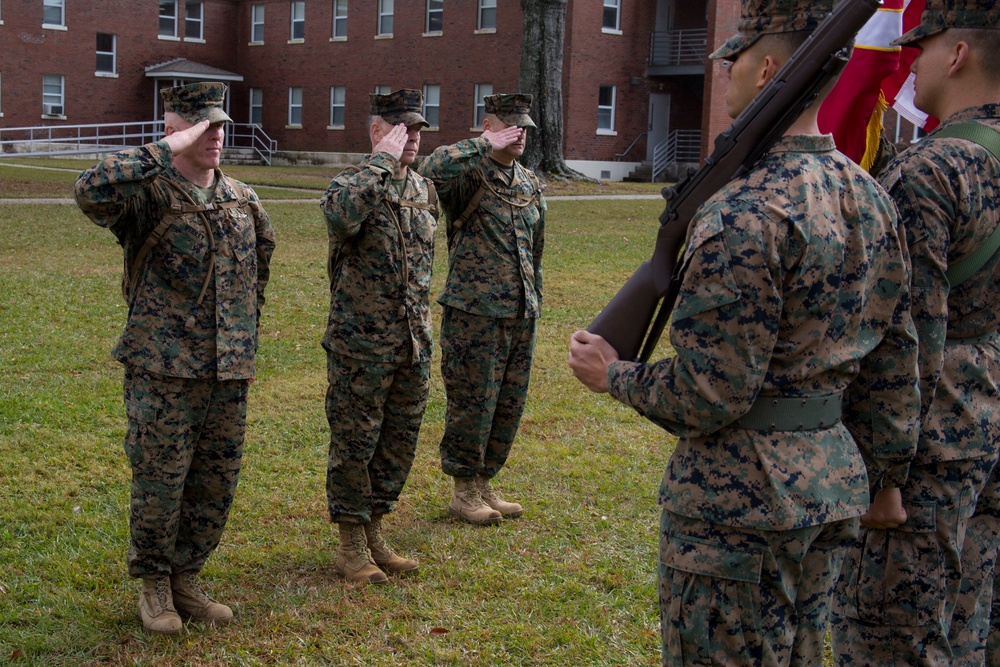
column 197, row 248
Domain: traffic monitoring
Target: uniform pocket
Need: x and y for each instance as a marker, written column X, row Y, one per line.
column 895, row 577
column 709, row 282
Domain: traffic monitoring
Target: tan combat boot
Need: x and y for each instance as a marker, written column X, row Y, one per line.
column 156, row 607
column 467, row 503
column 383, row 555
column 191, row 599
column 493, row 499
column 354, row 560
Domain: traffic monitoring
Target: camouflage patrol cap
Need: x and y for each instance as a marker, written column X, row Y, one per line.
column 765, row 17
column 939, row 15
column 511, row 108
column 400, row 106
column 197, row 101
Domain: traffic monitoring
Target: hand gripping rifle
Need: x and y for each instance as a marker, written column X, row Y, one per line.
column 626, row 319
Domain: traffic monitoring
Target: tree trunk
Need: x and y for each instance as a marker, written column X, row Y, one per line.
column 541, row 76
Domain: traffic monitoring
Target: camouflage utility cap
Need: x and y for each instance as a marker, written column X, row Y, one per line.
column 768, row 17
column 511, row 108
column 401, row 106
column 196, row 102
column 939, row 15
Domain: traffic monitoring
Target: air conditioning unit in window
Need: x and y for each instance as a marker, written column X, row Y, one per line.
column 52, row 109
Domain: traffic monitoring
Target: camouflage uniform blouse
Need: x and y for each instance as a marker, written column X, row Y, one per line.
column 795, row 286
column 124, row 194
column 948, row 195
column 381, row 255
column 495, row 259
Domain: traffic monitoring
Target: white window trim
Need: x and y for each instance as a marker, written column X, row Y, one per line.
column 617, row 30
column 476, row 100
column 427, row 19
column 113, row 74
column 291, row 23
column 55, row 26
column 480, row 30
column 251, row 105
column 343, row 125
column 290, row 125
column 253, row 23
column 62, row 96
column 432, row 128
column 333, row 28
column 378, row 24
column 608, row 132
column 201, row 22
column 169, row 38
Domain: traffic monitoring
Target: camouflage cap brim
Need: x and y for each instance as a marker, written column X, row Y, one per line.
column 733, row 46
column 516, row 119
column 407, row 118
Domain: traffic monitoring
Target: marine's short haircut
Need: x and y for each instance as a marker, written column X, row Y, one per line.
column 986, row 45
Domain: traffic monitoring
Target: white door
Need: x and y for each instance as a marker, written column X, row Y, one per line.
column 659, row 122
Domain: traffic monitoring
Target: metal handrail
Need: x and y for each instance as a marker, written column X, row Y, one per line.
column 103, row 138
column 679, row 146
column 619, row 156
column 673, row 48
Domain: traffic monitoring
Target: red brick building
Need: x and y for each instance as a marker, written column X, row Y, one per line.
column 634, row 71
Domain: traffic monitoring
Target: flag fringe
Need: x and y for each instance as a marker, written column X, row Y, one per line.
column 873, row 134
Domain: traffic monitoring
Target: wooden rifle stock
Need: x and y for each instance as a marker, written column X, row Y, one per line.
column 629, row 315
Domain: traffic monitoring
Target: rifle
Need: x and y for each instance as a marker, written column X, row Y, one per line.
column 626, row 319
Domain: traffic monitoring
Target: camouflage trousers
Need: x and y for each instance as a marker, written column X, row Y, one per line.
column 485, row 365
column 731, row 596
column 374, row 410
column 185, row 445
column 921, row 594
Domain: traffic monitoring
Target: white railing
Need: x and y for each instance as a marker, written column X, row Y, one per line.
column 56, row 140
column 678, row 47
column 679, row 146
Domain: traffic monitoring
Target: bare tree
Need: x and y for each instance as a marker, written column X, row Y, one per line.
column 541, row 76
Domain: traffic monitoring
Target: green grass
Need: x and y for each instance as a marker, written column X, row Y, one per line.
column 573, row 582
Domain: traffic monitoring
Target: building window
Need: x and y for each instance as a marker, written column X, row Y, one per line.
column 54, row 13
column 257, row 24
column 105, row 53
column 606, row 110
column 340, row 19
column 168, row 18
column 1, row 91
column 382, row 90
column 482, row 90
column 295, row 106
column 52, row 95
column 612, row 15
column 487, row 15
column 432, row 104
column 298, row 21
column 338, row 96
column 385, row 17
column 435, row 15
column 194, row 20
column 256, row 106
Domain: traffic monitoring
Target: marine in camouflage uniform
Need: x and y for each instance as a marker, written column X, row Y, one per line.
column 920, row 594
column 202, row 245
column 793, row 348
column 492, row 299
column 381, row 218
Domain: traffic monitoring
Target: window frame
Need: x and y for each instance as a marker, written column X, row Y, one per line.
column 54, row 4
column 383, row 15
column 113, row 53
column 439, row 11
column 607, row 110
column 299, row 22
column 256, row 105
column 292, row 105
column 254, row 23
column 173, row 19
column 339, row 20
column 616, row 6
column 338, row 101
column 482, row 8
column 427, row 106
column 479, row 104
column 47, row 96
column 200, row 21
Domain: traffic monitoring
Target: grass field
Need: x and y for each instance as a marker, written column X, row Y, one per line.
column 573, row 582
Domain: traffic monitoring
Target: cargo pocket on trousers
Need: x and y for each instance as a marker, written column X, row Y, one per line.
column 898, row 579
column 709, row 599
column 141, row 420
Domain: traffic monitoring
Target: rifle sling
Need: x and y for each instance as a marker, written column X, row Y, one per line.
column 960, row 271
